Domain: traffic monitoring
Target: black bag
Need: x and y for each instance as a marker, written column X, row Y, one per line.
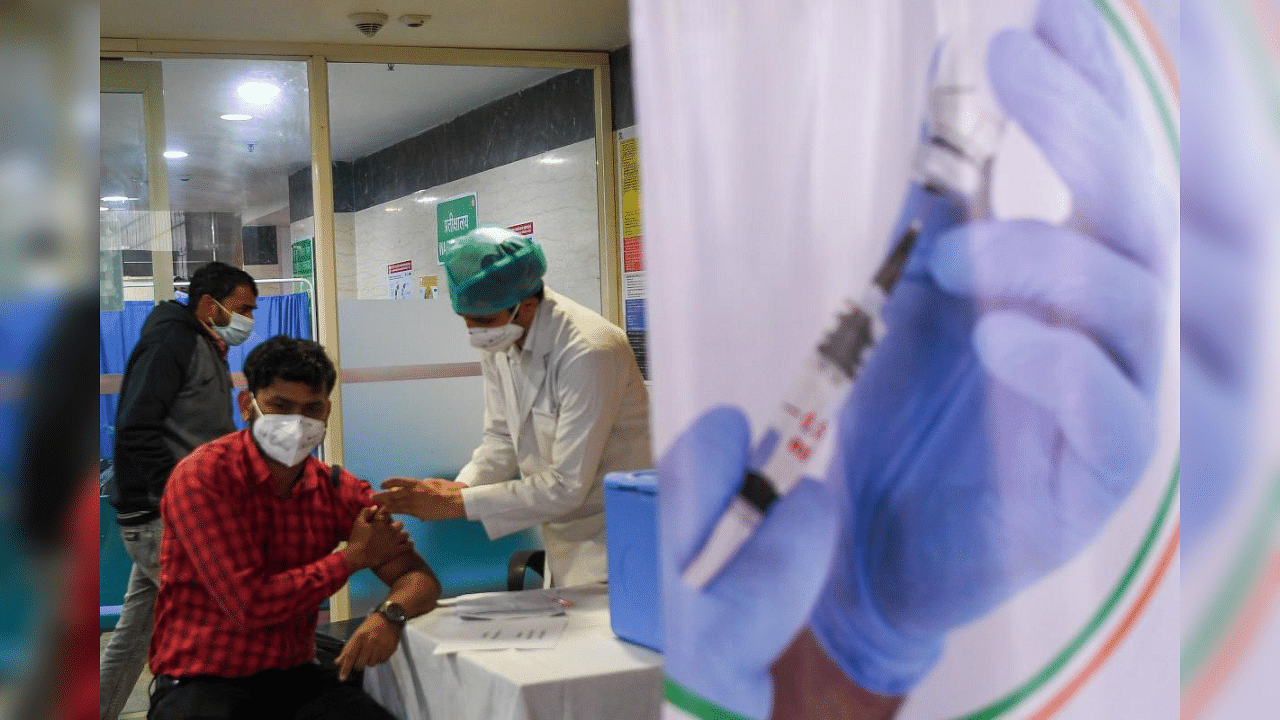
column 328, row 645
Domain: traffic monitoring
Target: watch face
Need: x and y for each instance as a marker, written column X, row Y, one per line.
column 394, row 613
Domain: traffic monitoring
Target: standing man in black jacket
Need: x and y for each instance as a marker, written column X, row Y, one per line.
column 176, row 395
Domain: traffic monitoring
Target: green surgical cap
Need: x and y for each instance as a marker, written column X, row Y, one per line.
column 490, row 269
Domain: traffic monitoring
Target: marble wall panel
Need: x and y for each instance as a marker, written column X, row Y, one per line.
column 344, row 250
column 556, row 191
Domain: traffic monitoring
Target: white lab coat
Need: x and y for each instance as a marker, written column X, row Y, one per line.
column 562, row 412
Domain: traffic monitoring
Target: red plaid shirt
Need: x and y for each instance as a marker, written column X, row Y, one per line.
column 242, row 571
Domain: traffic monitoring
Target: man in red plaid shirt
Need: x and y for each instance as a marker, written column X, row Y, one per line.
column 251, row 523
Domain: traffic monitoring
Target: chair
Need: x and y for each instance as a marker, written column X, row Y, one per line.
column 522, row 560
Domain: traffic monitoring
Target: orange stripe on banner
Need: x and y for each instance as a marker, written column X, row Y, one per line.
column 1149, row 30
column 1118, row 635
column 1241, row 638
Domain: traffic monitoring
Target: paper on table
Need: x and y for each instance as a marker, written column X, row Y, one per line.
column 524, row 603
column 454, row 634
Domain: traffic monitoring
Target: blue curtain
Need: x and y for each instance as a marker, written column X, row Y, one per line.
column 120, row 330
column 25, row 324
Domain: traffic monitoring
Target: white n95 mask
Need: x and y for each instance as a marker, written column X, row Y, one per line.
column 496, row 339
column 287, row 439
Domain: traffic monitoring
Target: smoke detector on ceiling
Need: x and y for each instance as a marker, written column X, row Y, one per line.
column 368, row 23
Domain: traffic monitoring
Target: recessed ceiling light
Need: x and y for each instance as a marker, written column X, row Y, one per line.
column 427, row 199
column 102, row 208
column 258, row 92
column 551, row 160
column 236, row 116
column 393, row 209
column 174, row 154
column 115, row 198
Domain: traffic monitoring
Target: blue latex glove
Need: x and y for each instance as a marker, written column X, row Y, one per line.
column 1011, row 406
column 1226, row 192
column 719, row 642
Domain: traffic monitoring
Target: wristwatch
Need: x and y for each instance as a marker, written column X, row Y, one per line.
column 393, row 613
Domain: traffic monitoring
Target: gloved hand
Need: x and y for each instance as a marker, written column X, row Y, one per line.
column 719, row 642
column 1011, row 406
column 1226, row 191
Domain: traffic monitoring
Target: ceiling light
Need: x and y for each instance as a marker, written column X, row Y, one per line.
column 393, row 209
column 427, row 199
column 550, row 160
column 115, row 198
column 174, row 154
column 102, row 208
column 258, row 92
column 236, row 116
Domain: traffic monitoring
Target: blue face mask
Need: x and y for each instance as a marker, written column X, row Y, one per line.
column 237, row 330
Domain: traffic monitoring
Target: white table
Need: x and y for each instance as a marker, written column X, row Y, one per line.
column 589, row 675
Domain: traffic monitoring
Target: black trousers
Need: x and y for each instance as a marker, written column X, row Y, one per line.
column 305, row 692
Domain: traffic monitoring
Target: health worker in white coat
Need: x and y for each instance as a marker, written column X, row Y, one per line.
column 565, row 404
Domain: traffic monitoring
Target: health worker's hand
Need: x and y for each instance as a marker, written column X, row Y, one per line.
column 375, row 539
column 719, row 642
column 1011, row 406
column 429, row 499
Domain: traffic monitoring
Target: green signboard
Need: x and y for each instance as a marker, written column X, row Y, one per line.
column 455, row 217
column 304, row 263
column 110, row 280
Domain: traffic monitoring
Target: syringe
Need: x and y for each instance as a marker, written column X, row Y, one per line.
column 950, row 170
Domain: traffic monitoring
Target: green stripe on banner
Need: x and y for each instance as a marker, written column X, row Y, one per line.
column 1055, row 666
column 1166, row 117
column 696, row 705
column 1243, row 577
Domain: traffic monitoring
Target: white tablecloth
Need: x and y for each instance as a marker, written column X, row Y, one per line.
column 589, row 675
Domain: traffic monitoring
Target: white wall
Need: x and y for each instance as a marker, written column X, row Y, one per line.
column 559, row 198
column 344, row 247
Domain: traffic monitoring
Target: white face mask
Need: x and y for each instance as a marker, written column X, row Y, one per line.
column 287, row 439
column 236, row 331
column 496, row 339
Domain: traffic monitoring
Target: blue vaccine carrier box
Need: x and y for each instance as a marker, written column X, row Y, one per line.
column 631, row 527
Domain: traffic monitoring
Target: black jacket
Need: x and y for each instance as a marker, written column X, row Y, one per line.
column 176, row 395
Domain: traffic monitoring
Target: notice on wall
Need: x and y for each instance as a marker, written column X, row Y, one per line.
column 304, row 263
column 633, row 279
column 430, row 286
column 524, row 228
column 400, row 281
column 455, row 217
